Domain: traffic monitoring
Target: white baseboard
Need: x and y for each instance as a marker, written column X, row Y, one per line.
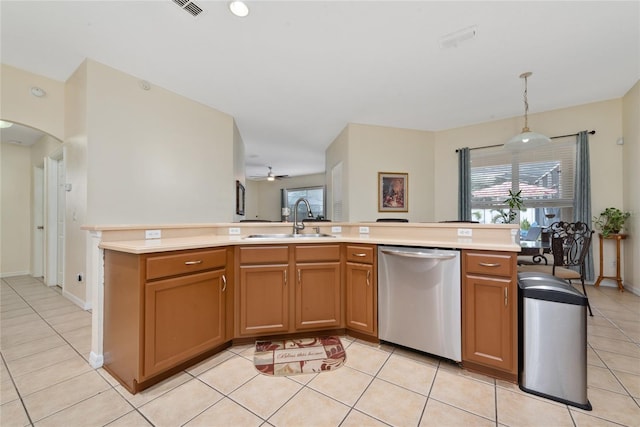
column 96, row 360
column 74, row 299
column 15, row 273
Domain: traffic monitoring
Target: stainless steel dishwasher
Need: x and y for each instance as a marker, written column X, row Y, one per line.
column 419, row 299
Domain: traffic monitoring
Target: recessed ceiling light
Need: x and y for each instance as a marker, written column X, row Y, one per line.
column 39, row 92
column 4, row 125
column 239, row 8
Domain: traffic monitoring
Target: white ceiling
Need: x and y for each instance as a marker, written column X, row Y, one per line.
column 294, row 73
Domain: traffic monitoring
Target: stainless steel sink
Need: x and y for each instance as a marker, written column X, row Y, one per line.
column 288, row 236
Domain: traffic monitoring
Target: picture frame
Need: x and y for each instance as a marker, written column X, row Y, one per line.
column 393, row 192
column 239, row 198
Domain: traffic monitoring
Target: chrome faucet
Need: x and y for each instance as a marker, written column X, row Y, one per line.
column 297, row 227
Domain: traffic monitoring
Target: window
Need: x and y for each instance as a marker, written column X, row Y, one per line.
column 315, row 196
column 544, row 175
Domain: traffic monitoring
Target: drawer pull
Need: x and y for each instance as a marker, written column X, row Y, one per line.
column 489, row 264
column 224, row 283
column 193, row 262
column 359, row 254
column 368, row 277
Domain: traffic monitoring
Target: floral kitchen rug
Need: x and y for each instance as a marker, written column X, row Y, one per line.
column 299, row 356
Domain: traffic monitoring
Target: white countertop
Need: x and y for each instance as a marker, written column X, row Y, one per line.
column 130, row 239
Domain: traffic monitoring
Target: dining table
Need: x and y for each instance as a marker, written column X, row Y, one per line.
column 536, row 250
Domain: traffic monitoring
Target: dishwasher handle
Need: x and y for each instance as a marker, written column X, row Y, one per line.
column 422, row 255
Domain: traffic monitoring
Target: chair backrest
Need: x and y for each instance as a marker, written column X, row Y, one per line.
column 570, row 244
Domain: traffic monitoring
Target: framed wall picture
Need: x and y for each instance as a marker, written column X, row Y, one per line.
column 239, row 198
column 393, row 192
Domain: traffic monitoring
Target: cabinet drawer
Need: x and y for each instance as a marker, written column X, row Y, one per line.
column 358, row 253
column 492, row 264
column 264, row 254
column 185, row 262
column 313, row 253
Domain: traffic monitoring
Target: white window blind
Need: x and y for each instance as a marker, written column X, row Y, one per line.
column 545, row 175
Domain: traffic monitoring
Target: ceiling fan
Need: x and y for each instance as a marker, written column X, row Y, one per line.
column 270, row 176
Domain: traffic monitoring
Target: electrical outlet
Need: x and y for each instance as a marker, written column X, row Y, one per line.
column 465, row 232
column 152, row 234
column 364, row 230
column 336, row 229
column 234, row 230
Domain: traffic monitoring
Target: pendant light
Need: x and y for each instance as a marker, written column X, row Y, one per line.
column 526, row 139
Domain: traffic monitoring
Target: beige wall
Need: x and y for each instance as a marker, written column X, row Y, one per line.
column 17, row 226
column 338, row 152
column 238, row 165
column 19, row 106
column 154, row 156
column 75, row 158
column 373, row 149
column 631, row 180
column 606, row 156
column 15, row 219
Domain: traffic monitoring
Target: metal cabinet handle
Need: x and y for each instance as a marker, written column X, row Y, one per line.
column 299, row 276
column 506, row 296
column 224, row 283
column 368, row 277
column 489, row 264
column 193, row 262
column 361, row 255
column 285, row 277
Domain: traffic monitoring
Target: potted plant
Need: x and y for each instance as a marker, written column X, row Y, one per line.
column 515, row 203
column 610, row 221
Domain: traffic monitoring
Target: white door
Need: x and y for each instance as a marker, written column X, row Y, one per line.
column 37, row 269
column 60, row 224
column 54, row 219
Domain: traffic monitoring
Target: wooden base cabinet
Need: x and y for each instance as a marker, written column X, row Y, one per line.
column 318, row 287
column 262, row 300
column 162, row 311
column 361, row 289
column 288, row 288
column 489, row 313
column 184, row 316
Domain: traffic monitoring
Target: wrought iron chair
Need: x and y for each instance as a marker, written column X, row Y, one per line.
column 570, row 243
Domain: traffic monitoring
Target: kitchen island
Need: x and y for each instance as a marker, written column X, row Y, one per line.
column 169, row 302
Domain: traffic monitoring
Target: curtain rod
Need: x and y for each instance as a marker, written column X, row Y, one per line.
column 591, row 132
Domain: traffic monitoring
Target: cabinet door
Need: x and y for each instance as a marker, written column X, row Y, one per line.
column 264, row 299
column 489, row 322
column 317, row 295
column 361, row 298
column 184, row 317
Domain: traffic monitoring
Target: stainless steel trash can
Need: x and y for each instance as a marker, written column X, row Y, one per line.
column 553, row 339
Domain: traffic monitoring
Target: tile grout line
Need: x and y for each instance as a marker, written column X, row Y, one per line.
column 16, row 389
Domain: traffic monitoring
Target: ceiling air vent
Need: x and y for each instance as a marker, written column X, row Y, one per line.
column 189, row 6
column 461, row 36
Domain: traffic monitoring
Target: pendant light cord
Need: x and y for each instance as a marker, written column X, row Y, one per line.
column 526, row 102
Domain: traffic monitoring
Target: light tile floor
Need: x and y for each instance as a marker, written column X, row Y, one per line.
column 47, row 381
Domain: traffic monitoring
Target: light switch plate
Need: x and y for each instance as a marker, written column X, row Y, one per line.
column 364, row 230
column 336, row 229
column 152, row 234
column 234, row 230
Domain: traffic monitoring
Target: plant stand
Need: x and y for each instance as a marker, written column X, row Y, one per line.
column 618, row 238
